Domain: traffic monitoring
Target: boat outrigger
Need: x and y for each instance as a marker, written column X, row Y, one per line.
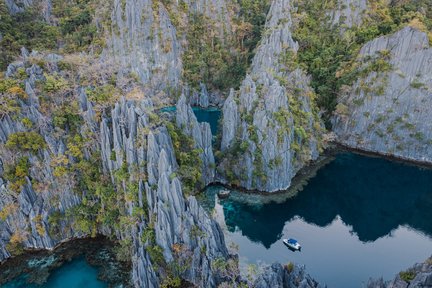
column 292, row 244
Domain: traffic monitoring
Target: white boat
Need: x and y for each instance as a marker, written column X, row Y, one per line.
column 223, row 194
column 292, row 244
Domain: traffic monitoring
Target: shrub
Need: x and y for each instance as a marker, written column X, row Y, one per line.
column 105, row 94
column 55, row 83
column 289, row 267
column 407, row 276
column 26, row 141
column 16, row 173
column 188, row 158
column 15, row 246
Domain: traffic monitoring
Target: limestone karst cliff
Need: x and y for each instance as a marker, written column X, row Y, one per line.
column 271, row 127
column 201, row 133
column 387, row 109
column 83, row 149
column 133, row 149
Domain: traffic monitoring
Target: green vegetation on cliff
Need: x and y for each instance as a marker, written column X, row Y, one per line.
column 328, row 51
column 72, row 29
column 219, row 54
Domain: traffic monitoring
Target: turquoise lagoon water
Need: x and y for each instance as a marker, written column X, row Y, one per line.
column 74, row 274
column 209, row 115
column 75, row 264
column 359, row 217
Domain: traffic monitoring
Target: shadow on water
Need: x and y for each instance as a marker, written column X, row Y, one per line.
column 372, row 195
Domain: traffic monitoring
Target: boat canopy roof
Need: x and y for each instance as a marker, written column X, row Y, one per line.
column 292, row 241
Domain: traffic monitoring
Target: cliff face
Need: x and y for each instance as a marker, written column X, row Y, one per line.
column 26, row 211
column 148, row 39
column 202, row 136
column 349, row 12
column 387, row 109
column 177, row 222
column 271, row 127
column 136, row 154
column 144, row 42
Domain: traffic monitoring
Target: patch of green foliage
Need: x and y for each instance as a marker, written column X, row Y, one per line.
column 26, row 141
column 75, row 31
column 16, row 174
column 188, row 158
column 222, row 63
column 327, row 51
column 407, row 276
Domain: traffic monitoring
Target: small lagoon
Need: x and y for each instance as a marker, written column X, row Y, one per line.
column 79, row 263
column 210, row 115
column 359, row 217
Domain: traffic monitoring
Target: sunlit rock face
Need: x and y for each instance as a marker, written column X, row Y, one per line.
column 271, row 126
column 144, row 43
column 349, row 13
column 388, row 111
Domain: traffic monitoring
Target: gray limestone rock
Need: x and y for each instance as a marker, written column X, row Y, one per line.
column 349, row 13
column 422, row 277
column 144, row 43
column 202, row 136
column 279, row 276
column 388, row 112
column 19, row 6
column 271, row 127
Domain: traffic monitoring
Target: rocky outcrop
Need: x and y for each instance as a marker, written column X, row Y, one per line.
column 387, row 110
column 129, row 141
column 42, row 6
column 26, row 214
column 420, row 275
column 177, row 221
column 349, row 13
column 290, row 276
column 202, row 136
column 271, row 127
column 203, row 98
column 144, row 43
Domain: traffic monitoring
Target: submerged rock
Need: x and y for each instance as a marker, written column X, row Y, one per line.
column 271, row 127
column 387, row 110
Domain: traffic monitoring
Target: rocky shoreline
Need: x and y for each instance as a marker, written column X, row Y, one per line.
column 38, row 265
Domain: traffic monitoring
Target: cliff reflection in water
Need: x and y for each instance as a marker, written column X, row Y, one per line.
column 361, row 207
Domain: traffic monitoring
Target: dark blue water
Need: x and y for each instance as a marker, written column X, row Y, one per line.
column 359, row 217
column 209, row 115
column 75, row 274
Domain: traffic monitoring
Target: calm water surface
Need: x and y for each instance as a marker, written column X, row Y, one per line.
column 210, row 115
column 76, row 264
column 75, row 274
column 359, row 217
